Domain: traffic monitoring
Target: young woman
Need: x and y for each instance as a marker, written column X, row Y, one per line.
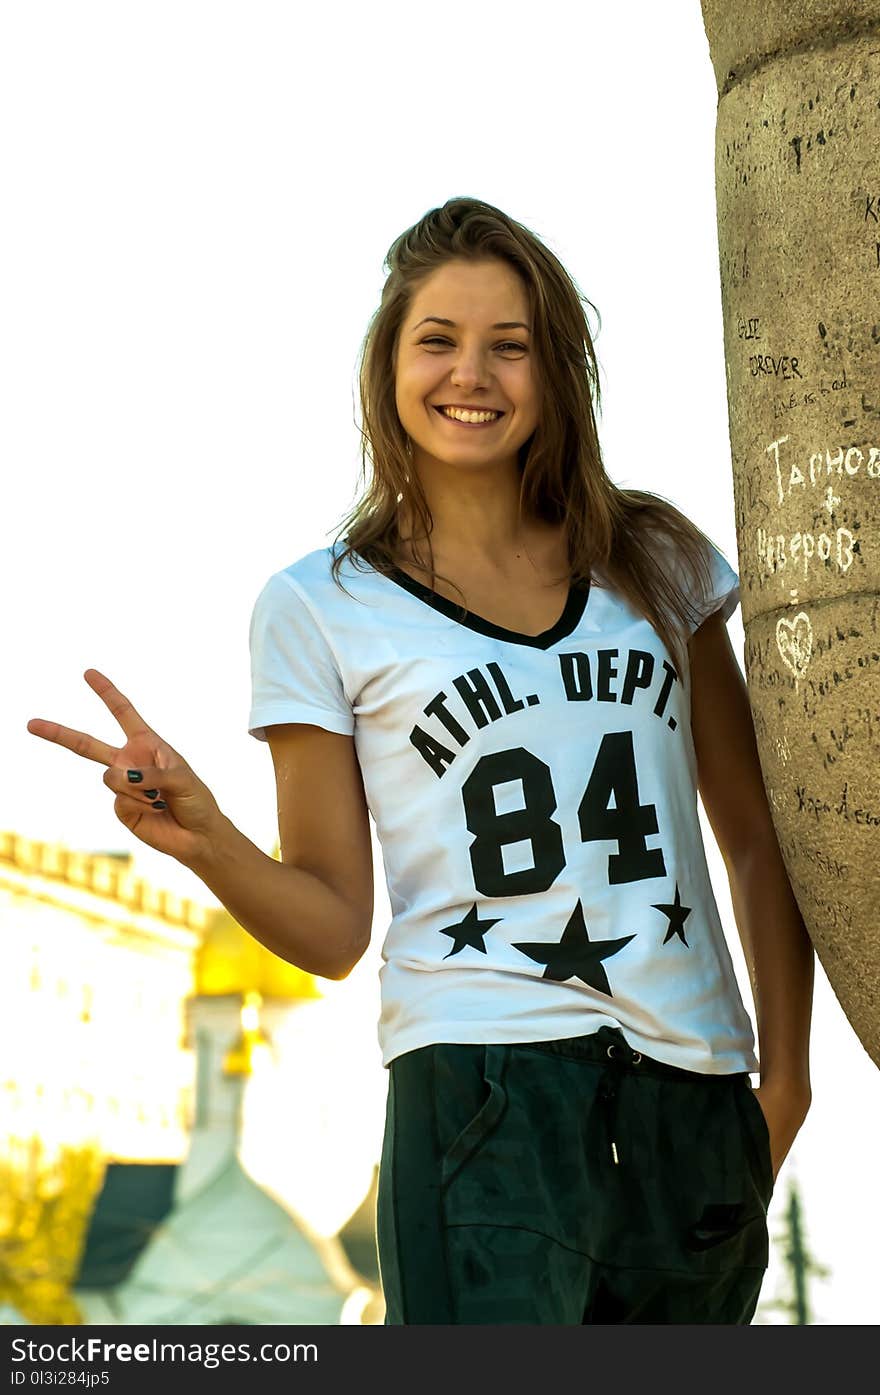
column 524, row 674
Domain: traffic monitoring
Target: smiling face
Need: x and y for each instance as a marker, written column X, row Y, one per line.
column 482, row 360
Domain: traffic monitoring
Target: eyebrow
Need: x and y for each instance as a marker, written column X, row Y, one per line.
column 503, row 324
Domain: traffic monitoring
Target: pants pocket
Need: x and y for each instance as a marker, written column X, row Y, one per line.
column 758, row 1139
column 470, row 1100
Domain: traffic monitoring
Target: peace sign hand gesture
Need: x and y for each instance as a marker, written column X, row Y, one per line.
column 187, row 815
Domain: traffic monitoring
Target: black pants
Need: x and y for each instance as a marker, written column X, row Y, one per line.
column 570, row 1182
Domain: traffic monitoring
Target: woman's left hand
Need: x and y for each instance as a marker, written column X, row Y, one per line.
column 785, row 1107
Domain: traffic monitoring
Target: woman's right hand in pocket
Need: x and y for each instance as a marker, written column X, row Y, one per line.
column 186, row 826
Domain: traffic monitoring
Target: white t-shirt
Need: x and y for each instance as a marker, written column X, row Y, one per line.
column 535, row 800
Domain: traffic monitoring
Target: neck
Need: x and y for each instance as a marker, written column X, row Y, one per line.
column 476, row 518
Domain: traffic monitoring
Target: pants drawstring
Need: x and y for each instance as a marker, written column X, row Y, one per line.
column 608, row 1089
column 608, row 1095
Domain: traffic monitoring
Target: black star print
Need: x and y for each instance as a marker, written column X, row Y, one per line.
column 470, row 931
column 576, row 955
column 678, row 914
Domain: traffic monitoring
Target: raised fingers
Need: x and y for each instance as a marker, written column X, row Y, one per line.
column 78, row 741
column 132, row 722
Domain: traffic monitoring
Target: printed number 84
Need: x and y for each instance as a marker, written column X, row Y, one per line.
column 628, row 823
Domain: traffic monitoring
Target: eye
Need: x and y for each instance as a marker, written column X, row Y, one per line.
column 438, row 339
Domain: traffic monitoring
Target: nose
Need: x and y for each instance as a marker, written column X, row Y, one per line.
column 469, row 371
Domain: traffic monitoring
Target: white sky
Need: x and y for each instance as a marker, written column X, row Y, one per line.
column 198, row 200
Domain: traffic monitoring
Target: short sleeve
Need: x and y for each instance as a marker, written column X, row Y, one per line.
column 724, row 591
column 294, row 674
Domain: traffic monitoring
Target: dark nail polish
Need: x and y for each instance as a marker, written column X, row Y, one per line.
column 159, row 804
column 134, row 776
column 151, row 794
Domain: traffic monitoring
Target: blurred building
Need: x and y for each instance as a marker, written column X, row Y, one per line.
column 98, row 966
column 133, row 1021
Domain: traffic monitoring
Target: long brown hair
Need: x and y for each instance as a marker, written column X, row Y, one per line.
column 611, row 531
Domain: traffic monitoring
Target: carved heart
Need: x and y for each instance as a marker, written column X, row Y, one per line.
column 794, row 640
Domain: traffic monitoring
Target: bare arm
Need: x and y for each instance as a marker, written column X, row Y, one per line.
column 294, row 913
column 315, row 907
column 777, row 948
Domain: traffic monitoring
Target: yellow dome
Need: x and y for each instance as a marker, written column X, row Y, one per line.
column 232, row 961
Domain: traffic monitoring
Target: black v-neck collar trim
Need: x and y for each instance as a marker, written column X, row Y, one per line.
column 578, row 595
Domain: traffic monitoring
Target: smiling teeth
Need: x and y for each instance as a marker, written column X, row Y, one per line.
column 472, row 417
